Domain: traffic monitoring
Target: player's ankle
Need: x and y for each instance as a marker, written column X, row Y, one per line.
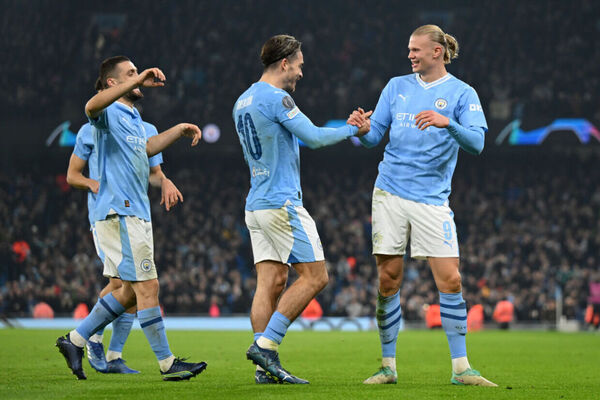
column 389, row 362
column 113, row 355
column 267, row 344
column 166, row 364
column 460, row 365
column 77, row 339
column 96, row 338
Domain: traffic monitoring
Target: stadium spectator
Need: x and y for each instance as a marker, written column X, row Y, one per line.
column 503, row 313
column 524, row 232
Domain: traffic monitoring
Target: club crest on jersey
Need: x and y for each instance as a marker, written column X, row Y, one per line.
column 146, row 265
column 440, row 104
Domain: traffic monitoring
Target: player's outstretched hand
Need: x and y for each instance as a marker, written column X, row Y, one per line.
column 170, row 194
column 361, row 120
column 151, row 77
column 192, row 131
column 428, row 118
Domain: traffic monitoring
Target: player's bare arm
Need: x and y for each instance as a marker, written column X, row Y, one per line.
column 170, row 195
column 151, row 77
column 428, row 118
column 158, row 143
column 76, row 178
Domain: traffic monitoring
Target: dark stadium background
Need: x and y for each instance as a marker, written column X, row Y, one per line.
column 527, row 216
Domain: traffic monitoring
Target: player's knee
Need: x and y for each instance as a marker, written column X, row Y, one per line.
column 147, row 289
column 389, row 281
column 115, row 283
column 321, row 279
column 453, row 283
column 126, row 296
column 279, row 281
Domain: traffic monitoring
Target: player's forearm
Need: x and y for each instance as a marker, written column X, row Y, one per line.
column 315, row 137
column 374, row 136
column 470, row 139
column 156, row 177
column 158, row 143
column 106, row 97
column 78, row 180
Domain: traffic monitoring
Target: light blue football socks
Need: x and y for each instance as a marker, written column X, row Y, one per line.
column 389, row 315
column 121, row 328
column 153, row 326
column 106, row 310
column 453, row 311
column 276, row 329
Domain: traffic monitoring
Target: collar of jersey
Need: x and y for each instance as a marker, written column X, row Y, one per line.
column 274, row 87
column 429, row 85
column 124, row 107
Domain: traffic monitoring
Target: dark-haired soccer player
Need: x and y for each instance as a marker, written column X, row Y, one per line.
column 431, row 115
column 282, row 232
column 122, row 213
column 84, row 154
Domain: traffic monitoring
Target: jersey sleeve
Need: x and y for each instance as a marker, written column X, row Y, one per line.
column 381, row 118
column 83, row 146
column 469, row 112
column 101, row 121
column 282, row 108
column 156, row 159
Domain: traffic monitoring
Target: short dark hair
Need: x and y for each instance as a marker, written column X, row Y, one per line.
column 107, row 68
column 277, row 48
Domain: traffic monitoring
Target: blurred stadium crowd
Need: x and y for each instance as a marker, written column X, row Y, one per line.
column 526, row 235
column 536, row 54
column 528, row 228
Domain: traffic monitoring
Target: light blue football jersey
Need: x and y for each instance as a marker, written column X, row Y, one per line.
column 123, row 169
column 268, row 124
column 418, row 165
column 84, row 149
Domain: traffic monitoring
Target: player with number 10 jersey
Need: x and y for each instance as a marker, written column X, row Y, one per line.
column 269, row 124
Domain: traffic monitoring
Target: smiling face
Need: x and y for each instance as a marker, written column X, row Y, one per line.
column 424, row 54
column 292, row 70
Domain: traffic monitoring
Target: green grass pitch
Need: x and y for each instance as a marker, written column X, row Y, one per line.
column 525, row 365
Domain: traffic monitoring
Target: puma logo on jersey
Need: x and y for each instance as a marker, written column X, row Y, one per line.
column 402, row 97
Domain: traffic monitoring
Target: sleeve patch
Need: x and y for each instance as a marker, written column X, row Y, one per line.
column 293, row 113
column 288, row 102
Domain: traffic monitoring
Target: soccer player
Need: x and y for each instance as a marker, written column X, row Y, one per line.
column 431, row 114
column 83, row 152
column 282, row 232
column 121, row 214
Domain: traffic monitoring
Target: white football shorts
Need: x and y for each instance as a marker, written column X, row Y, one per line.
column 127, row 246
column 431, row 228
column 96, row 245
column 287, row 235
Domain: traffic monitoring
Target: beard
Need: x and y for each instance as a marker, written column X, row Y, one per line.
column 134, row 95
column 290, row 86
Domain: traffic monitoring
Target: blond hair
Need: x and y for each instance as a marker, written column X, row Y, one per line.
column 436, row 34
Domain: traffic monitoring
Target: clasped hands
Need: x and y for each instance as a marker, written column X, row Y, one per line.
column 423, row 120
